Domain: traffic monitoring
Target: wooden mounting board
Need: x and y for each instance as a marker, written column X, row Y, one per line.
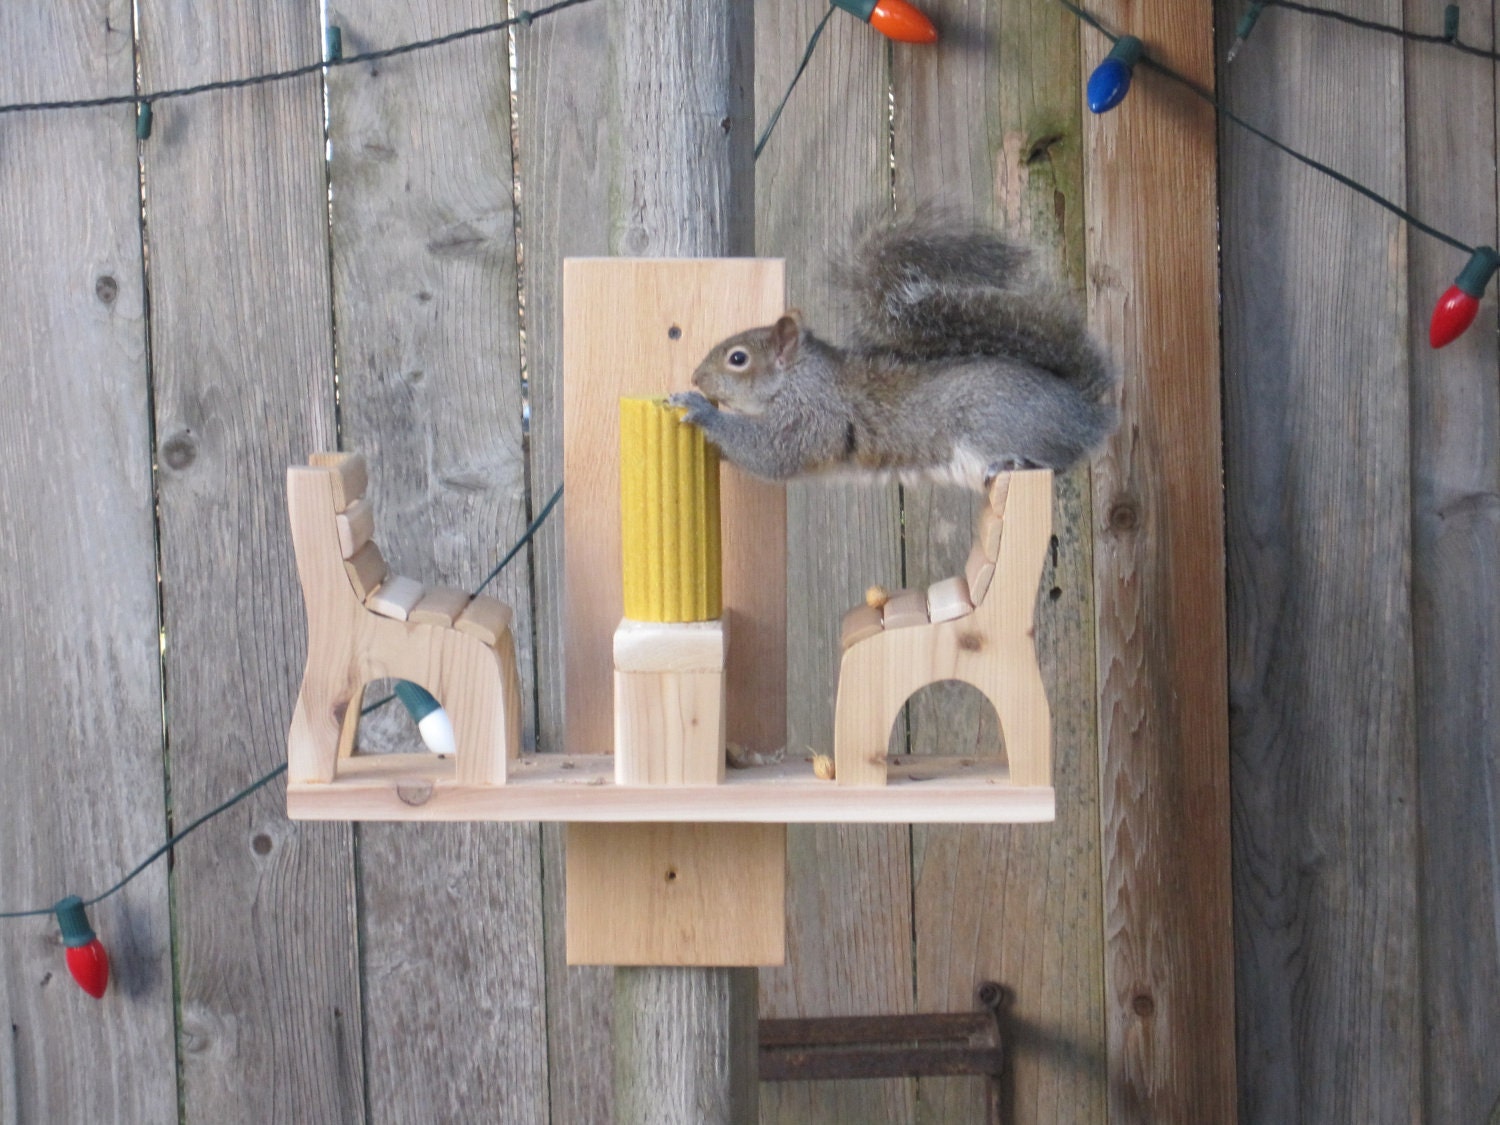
column 676, row 894
column 619, row 317
column 581, row 787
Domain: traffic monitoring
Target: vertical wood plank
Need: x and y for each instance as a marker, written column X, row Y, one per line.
column 425, row 299
column 1319, row 518
column 1159, row 582
column 80, row 700
column 563, row 138
column 849, row 903
column 681, row 184
column 1455, row 458
column 270, row 1026
column 1018, row 905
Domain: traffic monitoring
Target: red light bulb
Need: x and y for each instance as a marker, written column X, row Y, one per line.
column 895, row 19
column 1459, row 304
column 87, row 960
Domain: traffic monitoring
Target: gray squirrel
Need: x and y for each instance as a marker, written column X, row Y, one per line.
column 965, row 362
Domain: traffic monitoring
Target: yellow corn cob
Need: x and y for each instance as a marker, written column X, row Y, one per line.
column 669, row 515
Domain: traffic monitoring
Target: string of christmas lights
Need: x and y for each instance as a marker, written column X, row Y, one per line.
column 333, row 57
column 86, row 957
column 1110, row 82
column 1447, row 38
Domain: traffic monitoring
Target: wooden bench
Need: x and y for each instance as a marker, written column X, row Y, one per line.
column 977, row 627
column 364, row 624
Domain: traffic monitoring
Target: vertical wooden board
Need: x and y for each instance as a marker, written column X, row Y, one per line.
column 1455, row 457
column 1318, row 495
column 849, row 902
column 640, row 327
column 1016, row 905
column 237, row 215
column 563, row 139
column 425, row 299
column 1159, row 584
column 80, row 702
column 456, row 1023
column 676, row 894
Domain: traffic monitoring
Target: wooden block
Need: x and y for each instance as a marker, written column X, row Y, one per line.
column 676, row 894
column 395, row 597
column 948, row 599
column 669, row 728
column 349, row 474
column 977, row 572
column 356, row 525
column 640, row 327
column 999, row 493
column 441, row 605
column 860, row 622
column 367, row 570
column 905, row 607
column 987, row 534
column 688, row 646
column 486, row 618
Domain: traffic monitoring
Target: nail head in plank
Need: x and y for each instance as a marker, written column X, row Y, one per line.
column 441, row 605
column 395, row 598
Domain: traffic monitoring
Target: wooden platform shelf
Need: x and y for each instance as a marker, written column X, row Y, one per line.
column 581, row 787
column 666, row 681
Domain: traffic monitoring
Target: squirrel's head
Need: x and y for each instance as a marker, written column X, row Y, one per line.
column 745, row 372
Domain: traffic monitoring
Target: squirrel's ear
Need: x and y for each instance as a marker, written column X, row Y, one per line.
column 786, row 334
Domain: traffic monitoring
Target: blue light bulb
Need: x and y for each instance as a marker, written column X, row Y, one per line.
column 1110, row 81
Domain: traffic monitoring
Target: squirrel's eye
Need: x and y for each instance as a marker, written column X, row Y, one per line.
column 739, row 358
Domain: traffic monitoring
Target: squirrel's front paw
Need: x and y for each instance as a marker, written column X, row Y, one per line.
column 698, row 408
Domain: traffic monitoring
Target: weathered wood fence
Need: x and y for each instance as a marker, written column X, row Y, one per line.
column 372, row 257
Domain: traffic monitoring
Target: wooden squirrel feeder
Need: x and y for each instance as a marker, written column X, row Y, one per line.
column 666, row 686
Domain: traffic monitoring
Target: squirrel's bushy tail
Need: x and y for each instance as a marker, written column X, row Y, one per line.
column 938, row 287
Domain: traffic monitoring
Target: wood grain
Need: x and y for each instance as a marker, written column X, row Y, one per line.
column 638, row 327
column 991, row 648
column 1455, row 459
column 425, row 291
column 81, row 694
column 655, row 1083
column 849, row 913
column 563, row 138
column 1159, row 584
column 236, row 205
column 1016, row 905
column 651, row 894
column 1317, row 448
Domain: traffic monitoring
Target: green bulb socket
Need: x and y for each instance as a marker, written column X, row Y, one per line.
column 73, row 921
column 1475, row 277
column 1128, row 49
column 418, row 701
column 1450, row 22
column 1246, row 25
column 143, row 121
column 861, row 9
